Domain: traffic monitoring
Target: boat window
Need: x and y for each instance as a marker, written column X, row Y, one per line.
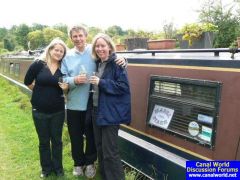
column 17, row 69
column 5, row 67
column 184, row 107
column 11, row 68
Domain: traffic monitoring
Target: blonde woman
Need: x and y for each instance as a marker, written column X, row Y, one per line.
column 48, row 108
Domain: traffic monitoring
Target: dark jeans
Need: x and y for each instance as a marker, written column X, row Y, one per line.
column 80, row 123
column 106, row 139
column 49, row 129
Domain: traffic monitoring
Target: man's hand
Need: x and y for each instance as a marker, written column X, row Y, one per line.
column 121, row 61
column 80, row 79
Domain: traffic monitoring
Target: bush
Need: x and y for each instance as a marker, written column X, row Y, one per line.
column 195, row 30
column 3, row 51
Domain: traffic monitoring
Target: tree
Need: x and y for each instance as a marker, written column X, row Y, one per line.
column 36, row 39
column 69, row 43
column 61, row 27
column 169, row 30
column 49, row 34
column 36, row 26
column 213, row 11
column 1, row 45
column 21, row 34
column 92, row 31
column 115, row 31
column 3, row 51
column 131, row 33
column 3, row 33
column 8, row 43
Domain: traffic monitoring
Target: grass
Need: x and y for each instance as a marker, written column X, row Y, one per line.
column 19, row 143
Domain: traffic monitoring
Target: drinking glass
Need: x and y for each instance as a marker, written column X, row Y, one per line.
column 83, row 70
column 60, row 79
column 92, row 89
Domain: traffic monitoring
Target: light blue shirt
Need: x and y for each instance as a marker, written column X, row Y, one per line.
column 73, row 63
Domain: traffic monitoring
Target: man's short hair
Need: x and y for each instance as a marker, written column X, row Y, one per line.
column 78, row 28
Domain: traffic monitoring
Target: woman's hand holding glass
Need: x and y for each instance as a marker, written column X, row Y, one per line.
column 62, row 84
column 94, row 80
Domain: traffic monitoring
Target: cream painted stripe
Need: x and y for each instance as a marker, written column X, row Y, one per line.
column 187, row 67
column 154, row 149
column 165, row 142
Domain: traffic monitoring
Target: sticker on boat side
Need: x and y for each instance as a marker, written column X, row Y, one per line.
column 206, row 134
column 193, row 128
column 161, row 116
column 205, row 118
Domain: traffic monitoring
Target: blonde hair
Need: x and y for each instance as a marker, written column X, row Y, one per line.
column 77, row 28
column 108, row 40
column 46, row 54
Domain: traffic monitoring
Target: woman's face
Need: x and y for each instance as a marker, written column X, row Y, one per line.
column 102, row 49
column 57, row 52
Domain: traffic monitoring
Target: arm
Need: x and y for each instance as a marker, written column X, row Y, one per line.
column 72, row 81
column 67, row 78
column 32, row 72
column 115, row 83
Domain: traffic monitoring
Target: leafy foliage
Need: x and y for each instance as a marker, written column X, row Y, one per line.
column 213, row 11
column 50, row 33
column 194, row 31
column 169, row 30
column 92, row 31
column 3, row 51
column 36, row 39
column 8, row 43
column 61, row 27
column 36, row 26
column 115, row 31
column 21, row 34
column 3, row 33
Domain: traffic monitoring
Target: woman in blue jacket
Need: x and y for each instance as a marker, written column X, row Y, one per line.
column 112, row 106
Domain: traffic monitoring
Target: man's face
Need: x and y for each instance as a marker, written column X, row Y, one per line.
column 79, row 39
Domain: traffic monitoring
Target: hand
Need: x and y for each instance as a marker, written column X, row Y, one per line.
column 31, row 86
column 94, row 80
column 80, row 79
column 64, row 86
column 121, row 61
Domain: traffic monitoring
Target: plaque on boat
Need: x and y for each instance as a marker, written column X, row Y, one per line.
column 161, row 116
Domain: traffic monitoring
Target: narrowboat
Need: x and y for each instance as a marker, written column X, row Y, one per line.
column 185, row 106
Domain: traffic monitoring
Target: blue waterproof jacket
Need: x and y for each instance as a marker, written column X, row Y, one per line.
column 114, row 101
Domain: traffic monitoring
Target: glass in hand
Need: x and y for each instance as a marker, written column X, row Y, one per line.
column 92, row 86
column 82, row 70
column 60, row 79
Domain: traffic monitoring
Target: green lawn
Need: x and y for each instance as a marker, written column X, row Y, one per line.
column 19, row 158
